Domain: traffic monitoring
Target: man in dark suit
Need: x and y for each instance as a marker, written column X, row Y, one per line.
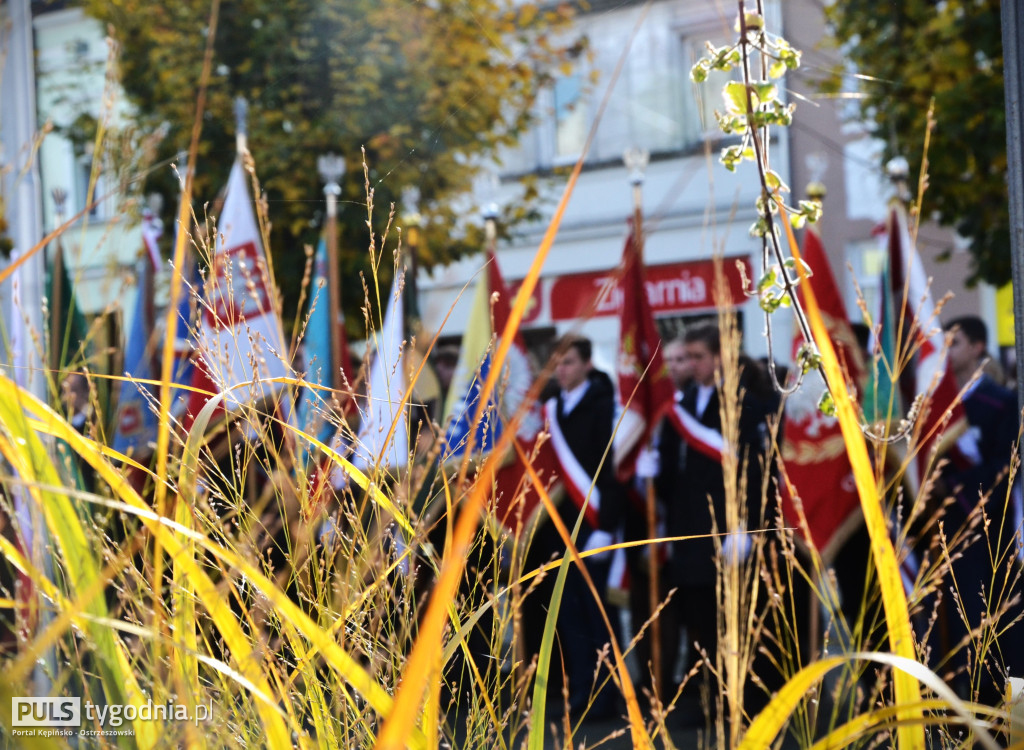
column 664, row 464
column 701, row 492
column 979, row 474
column 584, row 409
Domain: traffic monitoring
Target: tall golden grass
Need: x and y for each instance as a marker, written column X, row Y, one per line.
column 224, row 593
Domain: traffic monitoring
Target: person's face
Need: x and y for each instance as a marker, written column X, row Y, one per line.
column 964, row 355
column 703, row 364
column 445, row 370
column 677, row 364
column 72, row 395
column 571, row 370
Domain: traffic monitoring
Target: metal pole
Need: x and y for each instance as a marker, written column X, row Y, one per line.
column 24, row 209
column 1013, row 85
column 636, row 161
column 241, row 125
column 1013, row 78
column 18, row 98
column 332, row 169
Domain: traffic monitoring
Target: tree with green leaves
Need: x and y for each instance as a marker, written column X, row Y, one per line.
column 910, row 53
column 429, row 89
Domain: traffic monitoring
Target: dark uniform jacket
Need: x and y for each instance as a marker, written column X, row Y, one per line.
column 701, row 478
column 992, row 416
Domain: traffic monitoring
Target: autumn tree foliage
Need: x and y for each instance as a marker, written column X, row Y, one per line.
column 909, row 52
column 428, row 88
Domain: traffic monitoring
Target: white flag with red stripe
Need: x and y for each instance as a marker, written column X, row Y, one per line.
column 931, row 372
column 241, row 339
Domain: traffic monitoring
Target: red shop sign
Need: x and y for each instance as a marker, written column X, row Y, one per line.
column 671, row 288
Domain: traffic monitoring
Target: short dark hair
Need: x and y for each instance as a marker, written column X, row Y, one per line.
column 705, row 333
column 862, row 332
column 677, row 340
column 448, row 353
column 972, row 327
column 581, row 344
column 78, row 383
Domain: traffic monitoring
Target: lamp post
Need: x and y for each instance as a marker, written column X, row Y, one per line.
column 332, row 168
column 412, row 221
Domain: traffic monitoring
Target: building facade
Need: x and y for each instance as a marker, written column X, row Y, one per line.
column 694, row 209
column 78, row 96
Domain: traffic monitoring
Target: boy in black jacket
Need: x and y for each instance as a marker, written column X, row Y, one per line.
column 584, row 410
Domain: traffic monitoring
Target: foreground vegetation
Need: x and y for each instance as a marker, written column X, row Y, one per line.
column 227, row 571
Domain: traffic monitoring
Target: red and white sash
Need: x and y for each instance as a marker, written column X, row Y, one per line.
column 698, row 436
column 578, row 482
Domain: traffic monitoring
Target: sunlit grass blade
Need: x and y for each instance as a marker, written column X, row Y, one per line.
column 894, row 598
column 417, row 671
column 170, row 319
column 410, row 694
column 167, row 531
column 767, row 725
column 29, row 457
column 277, row 733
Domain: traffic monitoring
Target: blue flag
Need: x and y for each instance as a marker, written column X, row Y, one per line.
column 184, row 336
column 317, row 352
column 136, row 423
column 464, row 433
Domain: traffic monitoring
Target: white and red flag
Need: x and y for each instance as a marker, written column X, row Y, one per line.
column 241, row 341
column 942, row 416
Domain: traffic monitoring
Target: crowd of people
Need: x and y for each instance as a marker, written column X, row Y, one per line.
column 692, row 490
column 979, row 576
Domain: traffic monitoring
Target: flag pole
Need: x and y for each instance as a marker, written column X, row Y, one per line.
column 636, row 161
column 241, row 125
column 332, row 168
column 412, row 220
column 815, row 191
column 57, row 289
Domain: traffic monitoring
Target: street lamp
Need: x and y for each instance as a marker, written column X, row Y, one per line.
column 412, row 220
column 332, row 168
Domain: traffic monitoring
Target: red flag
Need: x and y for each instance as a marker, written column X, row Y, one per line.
column 204, row 389
column 645, row 397
column 814, row 453
column 931, row 373
column 514, row 495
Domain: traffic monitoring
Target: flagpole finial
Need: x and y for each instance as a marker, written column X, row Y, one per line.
column 411, row 217
column 488, row 189
column 331, row 168
column 60, row 196
column 241, row 125
column 636, row 161
column 816, row 191
column 898, row 171
column 490, row 214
